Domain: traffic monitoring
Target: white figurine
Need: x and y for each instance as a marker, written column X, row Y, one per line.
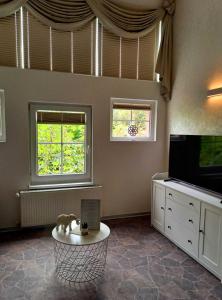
column 65, row 221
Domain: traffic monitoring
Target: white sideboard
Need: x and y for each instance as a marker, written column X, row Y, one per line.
column 190, row 218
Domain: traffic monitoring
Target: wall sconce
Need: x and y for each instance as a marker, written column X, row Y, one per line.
column 214, row 92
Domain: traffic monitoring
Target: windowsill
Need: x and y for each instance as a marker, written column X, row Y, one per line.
column 131, row 140
column 61, row 187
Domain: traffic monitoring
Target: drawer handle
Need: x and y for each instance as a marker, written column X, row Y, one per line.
column 170, row 194
column 169, row 208
column 190, row 242
column 201, row 231
column 221, row 202
column 191, row 203
column 162, row 207
column 169, row 227
column 191, row 221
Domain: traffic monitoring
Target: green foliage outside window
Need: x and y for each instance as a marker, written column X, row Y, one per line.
column 61, row 149
column 123, row 118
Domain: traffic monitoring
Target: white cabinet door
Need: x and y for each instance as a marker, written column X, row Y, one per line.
column 158, row 206
column 210, row 250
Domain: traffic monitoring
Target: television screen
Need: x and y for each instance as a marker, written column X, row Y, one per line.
column 197, row 159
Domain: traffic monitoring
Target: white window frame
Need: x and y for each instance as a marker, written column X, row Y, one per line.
column 47, row 181
column 2, row 117
column 153, row 120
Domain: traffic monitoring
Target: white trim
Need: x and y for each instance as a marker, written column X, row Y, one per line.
column 59, row 180
column 157, row 46
column 137, row 59
column 2, row 117
column 72, row 53
column 22, row 55
column 97, row 48
column 60, row 187
column 50, row 49
column 120, row 57
column 153, row 120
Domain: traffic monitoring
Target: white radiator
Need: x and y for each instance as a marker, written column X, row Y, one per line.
column 39, row 207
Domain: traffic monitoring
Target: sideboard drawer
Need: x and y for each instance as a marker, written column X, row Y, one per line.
column 184, row 215
column 184, row 237
column 187, row 201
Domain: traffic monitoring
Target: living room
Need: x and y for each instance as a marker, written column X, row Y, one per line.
column 141, row 262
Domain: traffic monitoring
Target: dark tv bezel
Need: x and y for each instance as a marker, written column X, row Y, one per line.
column 189, row 184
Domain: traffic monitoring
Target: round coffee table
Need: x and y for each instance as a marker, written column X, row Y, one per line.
column 80, row 258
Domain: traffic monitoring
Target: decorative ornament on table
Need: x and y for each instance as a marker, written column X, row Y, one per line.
column 65, row 221
column 84, row 229
column 133, row 130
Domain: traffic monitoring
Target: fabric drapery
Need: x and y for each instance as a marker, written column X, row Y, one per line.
column 125, row 22
column 69, row 15
column 72, row 14
column 164, row 60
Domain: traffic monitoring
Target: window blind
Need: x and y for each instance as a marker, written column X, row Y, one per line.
column 61, row 51
column 147, row 49
column 26, row 42
column 129, row 106
column 48, row 117
column 38, row 39
column 83, row 54
column 8, row 41
column 129, row 58
column 110, row 51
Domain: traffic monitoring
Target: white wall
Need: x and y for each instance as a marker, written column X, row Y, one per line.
column 197, row 67
column 124, row 169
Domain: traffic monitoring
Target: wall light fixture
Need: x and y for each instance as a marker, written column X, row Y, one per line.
column 214, row 92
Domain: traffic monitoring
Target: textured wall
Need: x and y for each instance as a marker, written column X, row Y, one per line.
column 197, row 67
column 123, row 168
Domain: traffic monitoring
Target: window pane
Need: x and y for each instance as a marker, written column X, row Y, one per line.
column 120, row 128
column 49, row 133
column 73, row 133
column 49, row 159
column 74, row 159
column 140, row 115
column 143, row 129
column 122, row 114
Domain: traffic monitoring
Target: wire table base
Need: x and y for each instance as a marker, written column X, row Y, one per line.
column 80, row 263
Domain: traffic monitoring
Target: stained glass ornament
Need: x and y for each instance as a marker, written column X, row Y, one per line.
column 133, row 130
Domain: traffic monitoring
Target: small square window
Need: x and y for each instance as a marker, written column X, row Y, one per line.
column 60, row 144
column 133, row 120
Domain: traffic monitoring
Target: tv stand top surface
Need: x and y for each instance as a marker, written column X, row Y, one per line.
column 192, row 191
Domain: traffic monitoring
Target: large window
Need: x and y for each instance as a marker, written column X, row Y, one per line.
column 133, row 120
column 60, row 144
column 26, row 42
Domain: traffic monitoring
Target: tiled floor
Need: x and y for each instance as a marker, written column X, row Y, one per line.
column 141, row 264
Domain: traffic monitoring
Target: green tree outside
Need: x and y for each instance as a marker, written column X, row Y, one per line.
column 61, row 149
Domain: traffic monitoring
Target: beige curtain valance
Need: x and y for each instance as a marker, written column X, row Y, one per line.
column 125, row 22
column 69, row 15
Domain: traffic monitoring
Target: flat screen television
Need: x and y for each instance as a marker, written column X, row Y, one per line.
column 197, row 160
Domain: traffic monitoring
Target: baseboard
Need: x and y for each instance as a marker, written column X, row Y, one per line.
column 124, row 216
column 113, row 217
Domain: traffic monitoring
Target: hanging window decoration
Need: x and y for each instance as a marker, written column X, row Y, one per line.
column 133, row 130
